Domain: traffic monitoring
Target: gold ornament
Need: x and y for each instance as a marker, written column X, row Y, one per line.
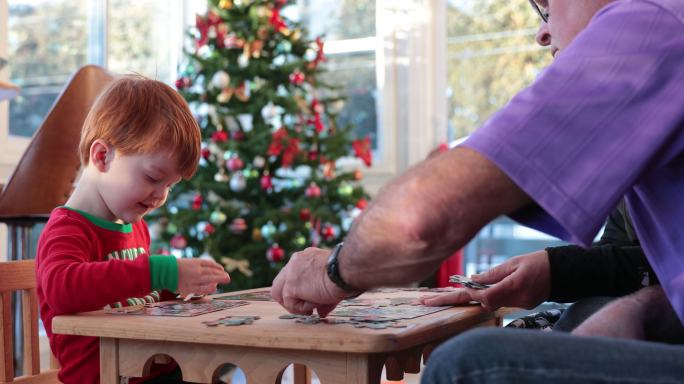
column 241, row 265
column 358, row 175
column 225, row 95
column 256, row 234
column 226, row 4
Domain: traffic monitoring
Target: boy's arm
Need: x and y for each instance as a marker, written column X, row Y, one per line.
column 71, row 282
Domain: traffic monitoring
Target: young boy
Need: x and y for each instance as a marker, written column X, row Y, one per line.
column 138, row 140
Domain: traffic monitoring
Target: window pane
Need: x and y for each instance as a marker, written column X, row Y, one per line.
column 47, row 43
column 355, row 74
column 144, row 37
column 339, row 19
column 492, row 55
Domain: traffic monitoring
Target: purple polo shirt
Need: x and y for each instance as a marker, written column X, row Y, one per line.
column 606, row 119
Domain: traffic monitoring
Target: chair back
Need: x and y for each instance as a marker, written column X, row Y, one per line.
column 45, row 176
column 19, row 276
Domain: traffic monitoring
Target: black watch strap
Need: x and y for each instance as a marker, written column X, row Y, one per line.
column 333, row 270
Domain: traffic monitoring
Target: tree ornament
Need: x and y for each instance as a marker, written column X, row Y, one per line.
column 178, row 242
column 300, row 241
column 219, row 137
column 268, row 230
column 362, row 203
column 221, row 177
column 329, row 170
column 266, row 182
column 234, row 164
column 225, row 95
column 238, row 183
column 237, row 135
column 358, row 175
column 362, row 150
column 209, row 229
column 171, row 228
column 183, row 83
column 345, row 189
column 197, row 202
column 297, row 77
column 238, row 226
column 256, row 234
column 226, row 4
column 328, row 232
column 275, row 254
column 313, row 191
column 217, row 217
column 220, row 80
column 305, row 214
column 259, row 162
column 206, row 153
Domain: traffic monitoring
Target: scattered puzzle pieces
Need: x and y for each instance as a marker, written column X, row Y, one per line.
column 232, row 321
column 373, row 322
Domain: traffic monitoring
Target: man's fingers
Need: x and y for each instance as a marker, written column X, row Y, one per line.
column 495, row 274
column 324, row 310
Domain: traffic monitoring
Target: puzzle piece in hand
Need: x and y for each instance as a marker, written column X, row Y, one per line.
column 467, row 282
column 231, row 321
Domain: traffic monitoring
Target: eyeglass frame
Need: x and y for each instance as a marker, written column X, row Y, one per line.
column 543, row 14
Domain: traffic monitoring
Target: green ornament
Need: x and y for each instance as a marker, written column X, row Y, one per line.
column 345, row 189
column 300, row 241
column 217, row 217
column 171, row 228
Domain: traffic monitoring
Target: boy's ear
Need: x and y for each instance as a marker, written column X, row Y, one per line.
column 101, row 155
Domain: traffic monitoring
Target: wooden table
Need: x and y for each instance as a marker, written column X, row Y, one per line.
column 338, row 353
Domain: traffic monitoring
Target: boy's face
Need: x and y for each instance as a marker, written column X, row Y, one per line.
column 134, row 185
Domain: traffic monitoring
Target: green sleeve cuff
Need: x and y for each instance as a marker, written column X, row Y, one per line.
column 164, row 272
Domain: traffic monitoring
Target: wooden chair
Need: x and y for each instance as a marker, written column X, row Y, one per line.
column 20, row 276
column 45, row 175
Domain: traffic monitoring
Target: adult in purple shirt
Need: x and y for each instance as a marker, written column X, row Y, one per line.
column 605, row 120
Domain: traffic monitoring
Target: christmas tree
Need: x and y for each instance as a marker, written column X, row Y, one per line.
column 269, row 181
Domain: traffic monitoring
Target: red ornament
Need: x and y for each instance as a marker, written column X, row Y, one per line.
column 443, row 147
column 276, row 21
column 162, row 251
column 234, row 164
column 178, row 242
column 206, row 153
column 328, row 232
column 362, row 204
column 362, row 150
column 305, row 214
column 313, row 190
column 297, row 78
column 209, row 229
column 237, row 135
column 238, row 226
column 197, row 202
column 313, row 155
column 266, row 182
column 183, row 83
column 275, row 254
column 219, row 137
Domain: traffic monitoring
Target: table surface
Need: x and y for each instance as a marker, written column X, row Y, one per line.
column 271, row 332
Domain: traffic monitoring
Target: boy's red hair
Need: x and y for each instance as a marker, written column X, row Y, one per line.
column 137, row 115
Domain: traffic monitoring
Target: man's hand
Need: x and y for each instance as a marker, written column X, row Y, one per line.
column 303, row 284
column 522, row 281
column 200, row 276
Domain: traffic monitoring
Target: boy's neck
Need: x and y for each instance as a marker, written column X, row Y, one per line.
column 86, row 198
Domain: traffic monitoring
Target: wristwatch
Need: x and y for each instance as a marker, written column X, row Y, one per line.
column 333, row 270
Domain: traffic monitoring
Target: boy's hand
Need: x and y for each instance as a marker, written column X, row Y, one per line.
column 200, row 276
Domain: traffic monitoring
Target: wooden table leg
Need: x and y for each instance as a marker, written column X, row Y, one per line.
column 109, row 361
column 302, row 374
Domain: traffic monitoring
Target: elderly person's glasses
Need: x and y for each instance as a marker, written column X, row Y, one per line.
column 542, row 12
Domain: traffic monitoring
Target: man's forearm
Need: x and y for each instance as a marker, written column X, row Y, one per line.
column 423, row 216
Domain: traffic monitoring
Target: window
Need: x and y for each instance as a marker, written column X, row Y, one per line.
column 348, row 28
column 47, row 42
